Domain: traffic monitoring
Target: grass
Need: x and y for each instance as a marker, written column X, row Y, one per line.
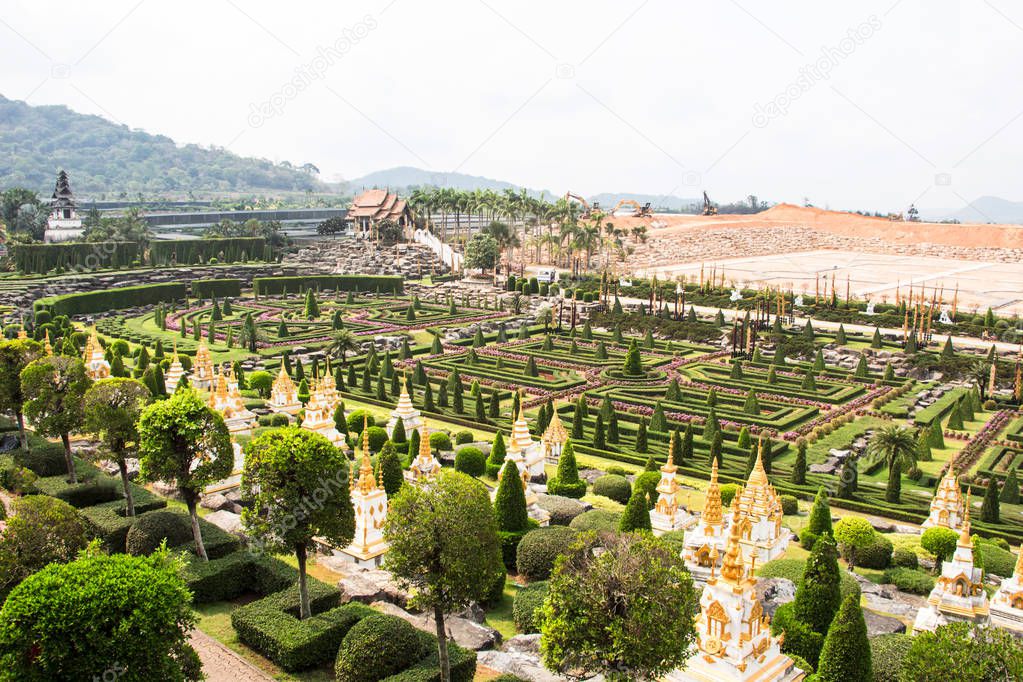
column 499, row 616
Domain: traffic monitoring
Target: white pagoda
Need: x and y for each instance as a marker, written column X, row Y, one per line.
column 668, row 515
column 1007, row 603
column 202, row 368
column 63, row 223
column 96, row 365
column 705, row 540
column 230, row 405
column 370, row 502
column 425, row 466
column 734, row 642
column 174, row 373
column 284, row 395
column 527, row 454
column 760, row 516
column 947, row 505
column 319, row 417
column 554, row 438
column 328, row 390
column 411, row 418
column 958, row 594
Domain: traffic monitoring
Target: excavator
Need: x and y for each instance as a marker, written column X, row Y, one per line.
column 643, row 211
column 708, row 208
column 588, row 210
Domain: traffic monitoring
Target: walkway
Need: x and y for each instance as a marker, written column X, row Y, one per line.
column 220, row 664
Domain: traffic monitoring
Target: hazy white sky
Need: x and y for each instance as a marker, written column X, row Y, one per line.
column 854, row 105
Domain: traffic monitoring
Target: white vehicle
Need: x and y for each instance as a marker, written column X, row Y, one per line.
column 548, row 276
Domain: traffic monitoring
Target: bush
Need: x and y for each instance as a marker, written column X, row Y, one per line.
column 877, row 555
column 574, row 490
column 563, row 510
column 86, row 493
column 995, row 559
column 793, row 569
column 237, row 574
column 470, row 460
column 376, row 647
column 440, row 441
column 377, row 437
column 886, row 655
column 279, row 420
column 789, row 505
column 150, row 530
column 44, row 459
column 356, row 418
column 538, row 550
column 910, row 580
column 598, row 520
column 800, row 639
column 461, row 661
column 614, row 487
column 904, row 558
column 527, row 600
column 463, row 437
column 728, row 491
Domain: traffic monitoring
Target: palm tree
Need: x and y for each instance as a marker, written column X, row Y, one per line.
column 897, row 446
column 344, row 341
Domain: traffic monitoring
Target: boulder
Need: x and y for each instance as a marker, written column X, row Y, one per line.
column 215, row 501
column 365, row 584
column 464, row 632
column 228, row 521
column 526, row 666
column 773, row 592
column 878, row 624
column 523, row 644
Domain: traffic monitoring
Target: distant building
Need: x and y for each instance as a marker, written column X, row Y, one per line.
column 63, row 224
column 374, row 206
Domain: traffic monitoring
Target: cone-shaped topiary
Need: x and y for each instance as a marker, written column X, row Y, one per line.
column 497, row 453
column 840, row 336
column 633, row 361
column 846, row 654
column 1010, row 489
column 819, row 594
column 819, row 522
column 510, row 500
column 937, row 435
column 641, row 436
column 567, row 481
column 752, row 405
column 989, row 508
column 875, row 340
column 636, row 515
column 799, row 467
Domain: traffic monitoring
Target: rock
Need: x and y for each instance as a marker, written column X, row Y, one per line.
column 523, row 644
column 463, row 631
column 365, row 584
column 166, row 490
column 878, row 624
column 473, row 612
column 356, row 587
column 773, row 592
column 215, row 501
column 228, row 521
column 526, row 666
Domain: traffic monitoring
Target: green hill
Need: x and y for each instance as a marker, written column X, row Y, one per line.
column 107, row 158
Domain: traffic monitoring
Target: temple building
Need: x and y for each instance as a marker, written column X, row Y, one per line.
column 328, row 390
column 1007, row 602
column 527, row 454
column 370, row 502
column 734, row 641
column 554, row 438
column 284, row 395
column 174, row 373
column 760, row 516
column 705, row 541
column 230, row 405
column 319, row 417
column 63, row 224
column 376, row 205
column 96, row 365
column 425, row 466
column 202, row 368
column 958, row 594
column 668, row 515
column 947, row 504
column 411, row 418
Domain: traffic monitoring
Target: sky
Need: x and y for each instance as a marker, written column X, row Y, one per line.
column 866, row 105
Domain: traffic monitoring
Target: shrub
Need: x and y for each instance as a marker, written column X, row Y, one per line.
column 356, row 419
column 527, row 600
column 236, row 574
column 886, row 655
column 995, row 559
column 728, row 491
column 877, row 555
column 800, row 639
column 150, row 530
column 614, row 487
column 616, row 470
column 377, row 438
column 44, row 459
column 576, row 490
column 852, row 534
column 461, row 661
column 538, row 549
column 376, row 647
column 789, row 505
column 904, row 558
column 440, row 441
column 562, row 510
column 598, row 520
column 470, row 460
column 43, row 530
column 909, row 580
column 463, row 437
column 279, row 420
column 646, row 483
column 85, row 493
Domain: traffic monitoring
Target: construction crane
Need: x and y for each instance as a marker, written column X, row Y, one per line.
column 708, row 208
column 637, row 212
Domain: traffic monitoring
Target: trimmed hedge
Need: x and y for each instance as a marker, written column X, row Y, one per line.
column 461, row 661
column 910, row 580
column 190, row 251
column 527, row 600
column 112, row 299
column 44, row 459
column 386, row 284
column 221, row 288
column 41, row 258
column 614, row 487
column 538, row 550
column 236, row 574
column 150, row 530
column 379, row 645
column 271, row 626
column 598, row 520
column 887, row 653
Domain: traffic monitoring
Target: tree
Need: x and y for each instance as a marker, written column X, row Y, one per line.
column 636, row 515
column 799, row 468
column 567, row 481
column 183, row 441
column 53, row 388
column 819, row 522
column 100, row 616
column 989, row 508
column 285, row 470
column 846, row 653
column 112, row 408
column 42, row 531
column 343, row 342
column 391, row 471
column 1010, row 489
column 482, row 252
column 599, row 441
column 612, row 608
column 897, row 447
column 633, row 361
column 939, row 541
column 495, row 461
column 641, row 436
column 853, row 534
column 819, row 595
column 15, row 355
column 262, row 382
column 444, row 548
column 510, row 501
column 965, row 653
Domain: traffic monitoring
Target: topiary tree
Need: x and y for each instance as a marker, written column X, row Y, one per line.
column 614, row 487
column 989, row 508
column 539, row 549
column 391, row 469
column 799, row 467
column 444, row 548
column 853, row 533
column 53, row 388
column 136, row 610
column 184, row 442
column 819, row 522
column 633, row 365
column 112, row 408
column 846, row 652
column 376, row 647
column 312, row 308
column 818, row 595
column 1010, row 489
column 495, row 461
column 599, row 618
column 43, row 530
column 637, row 513
column 567, row 481
column 15, row 355
column 470, row 460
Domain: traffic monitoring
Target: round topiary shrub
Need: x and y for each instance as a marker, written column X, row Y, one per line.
column 150, row 530
column 463, row 437
column 524, row 609
column 887, row 653
column 614, row 487
column 909, row 580
column 440, row 441
column 990, row 405
column 904, row 558
column 789, row 505
column 617, row 470
column 376, row 647
column 538, row 549
column 877, row 554
column 728, row 491
column 355, row 420
column 647, row 482
column 377, row 437
column 470, row 460
column 563, row 510
column 598, row 520
column 279, row 420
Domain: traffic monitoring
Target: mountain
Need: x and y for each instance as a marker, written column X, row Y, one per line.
column 105, row 157
column 403, row 177
column 990, row 210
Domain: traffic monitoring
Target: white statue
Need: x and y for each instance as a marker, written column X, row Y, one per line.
column 736, row 295
column 799, row 301
column 870, row 308
column 945, row 318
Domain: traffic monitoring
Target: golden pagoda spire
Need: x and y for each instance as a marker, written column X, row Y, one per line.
column 733, row 569
column 758, row 476
column 424, row 442
column 713, row 510
column 366, row 483
column 964, row 537
column 669, row 465
column 1018, row 571
column 46, row 344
